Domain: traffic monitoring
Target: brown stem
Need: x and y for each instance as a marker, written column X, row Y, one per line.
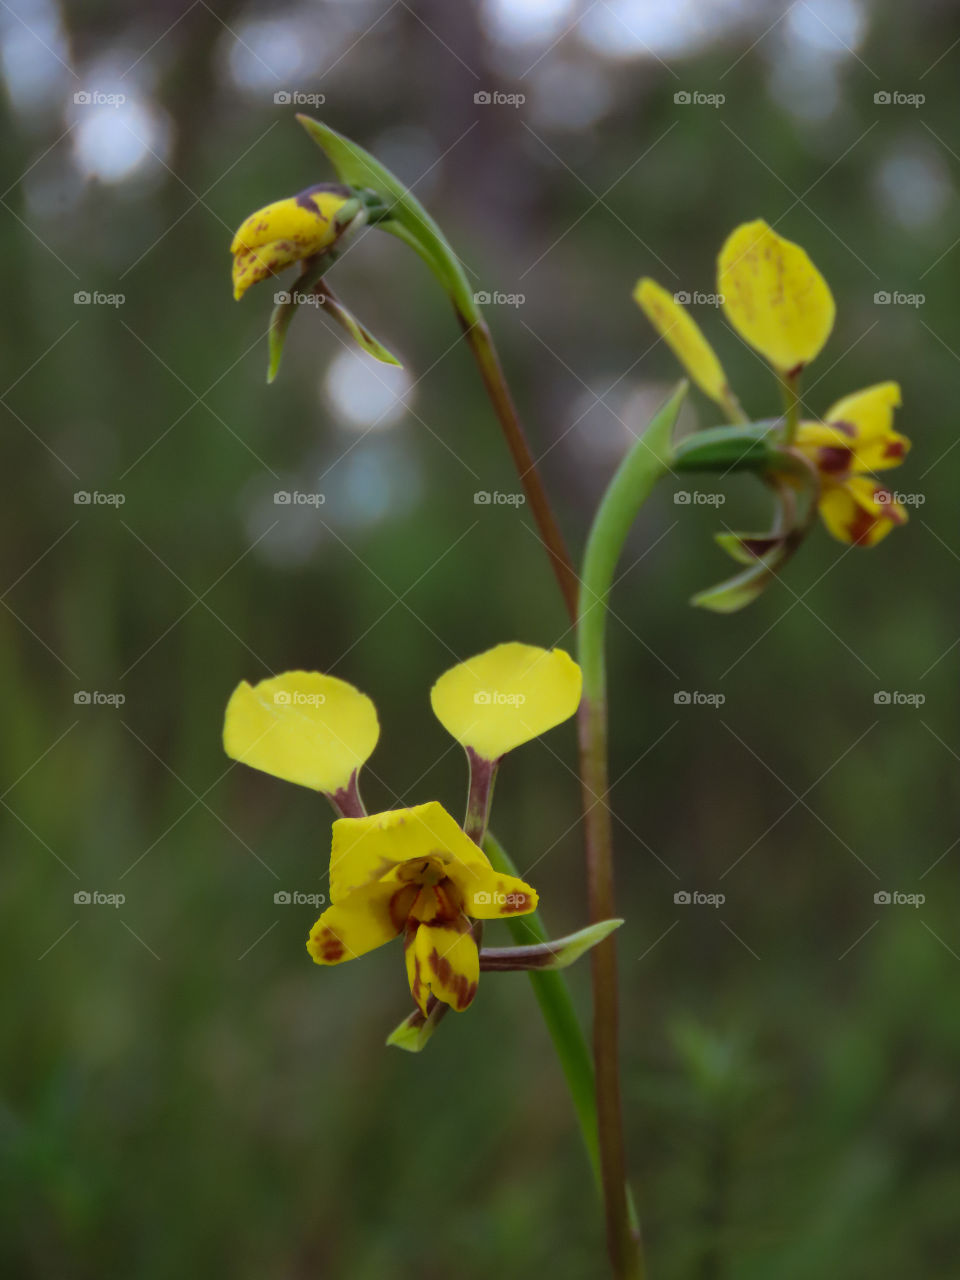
column 488, row 362
column 622, row 1241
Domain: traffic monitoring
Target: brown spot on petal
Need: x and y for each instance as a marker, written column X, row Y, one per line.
column 458, row 984
column 401, row 904
column 416, row 984
column 847, row 428
column 860, row 528
column 514, row 902
column 833, row 459
column 894, row 449
column 329, row 947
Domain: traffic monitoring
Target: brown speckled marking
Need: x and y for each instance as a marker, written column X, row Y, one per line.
column 894, row 449
column 860, row 528
column 409, row 939
column 462, row 988
column 330, row 948
column 515, row 902
column 400, row 905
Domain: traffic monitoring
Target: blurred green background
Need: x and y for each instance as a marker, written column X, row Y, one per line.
column 182, row 1091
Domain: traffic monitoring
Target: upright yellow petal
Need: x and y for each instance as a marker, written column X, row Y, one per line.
column 443, row 961
column 684, row 337
column 366, row 919
column 365, row 849
column 774, row 296
column 302, row 726
column 506, row 696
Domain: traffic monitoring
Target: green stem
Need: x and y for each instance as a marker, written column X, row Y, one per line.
column 646, row 462
column 556, row 1005
column 790, row 389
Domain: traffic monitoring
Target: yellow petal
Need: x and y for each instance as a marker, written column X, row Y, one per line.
column 869, row 414
column 366, row 849
column 491, row 895
column 443, row 961
column 774, row 296
column 506, row 696
column 860, row 512
column 286, row 232
column 364, row 920
column 303, row 727
column 683, row 335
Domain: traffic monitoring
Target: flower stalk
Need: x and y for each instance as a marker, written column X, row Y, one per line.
column 790, row 390
column 488, row 362
column 643, row 466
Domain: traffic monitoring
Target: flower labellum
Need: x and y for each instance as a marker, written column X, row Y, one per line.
column 414, row 871
column 855, row 438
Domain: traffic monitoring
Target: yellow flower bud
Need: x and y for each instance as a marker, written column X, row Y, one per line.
column 289, row 231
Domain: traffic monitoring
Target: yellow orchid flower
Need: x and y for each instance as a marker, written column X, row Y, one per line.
column 290, row 231
column 414, row 871
column 408, row 870
column 774, row 296
column 857, row 437
column 307, row 728
column 504, row 697
column 685, row 338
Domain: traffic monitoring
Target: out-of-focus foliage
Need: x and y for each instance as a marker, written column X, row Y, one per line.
column 182, row 1090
